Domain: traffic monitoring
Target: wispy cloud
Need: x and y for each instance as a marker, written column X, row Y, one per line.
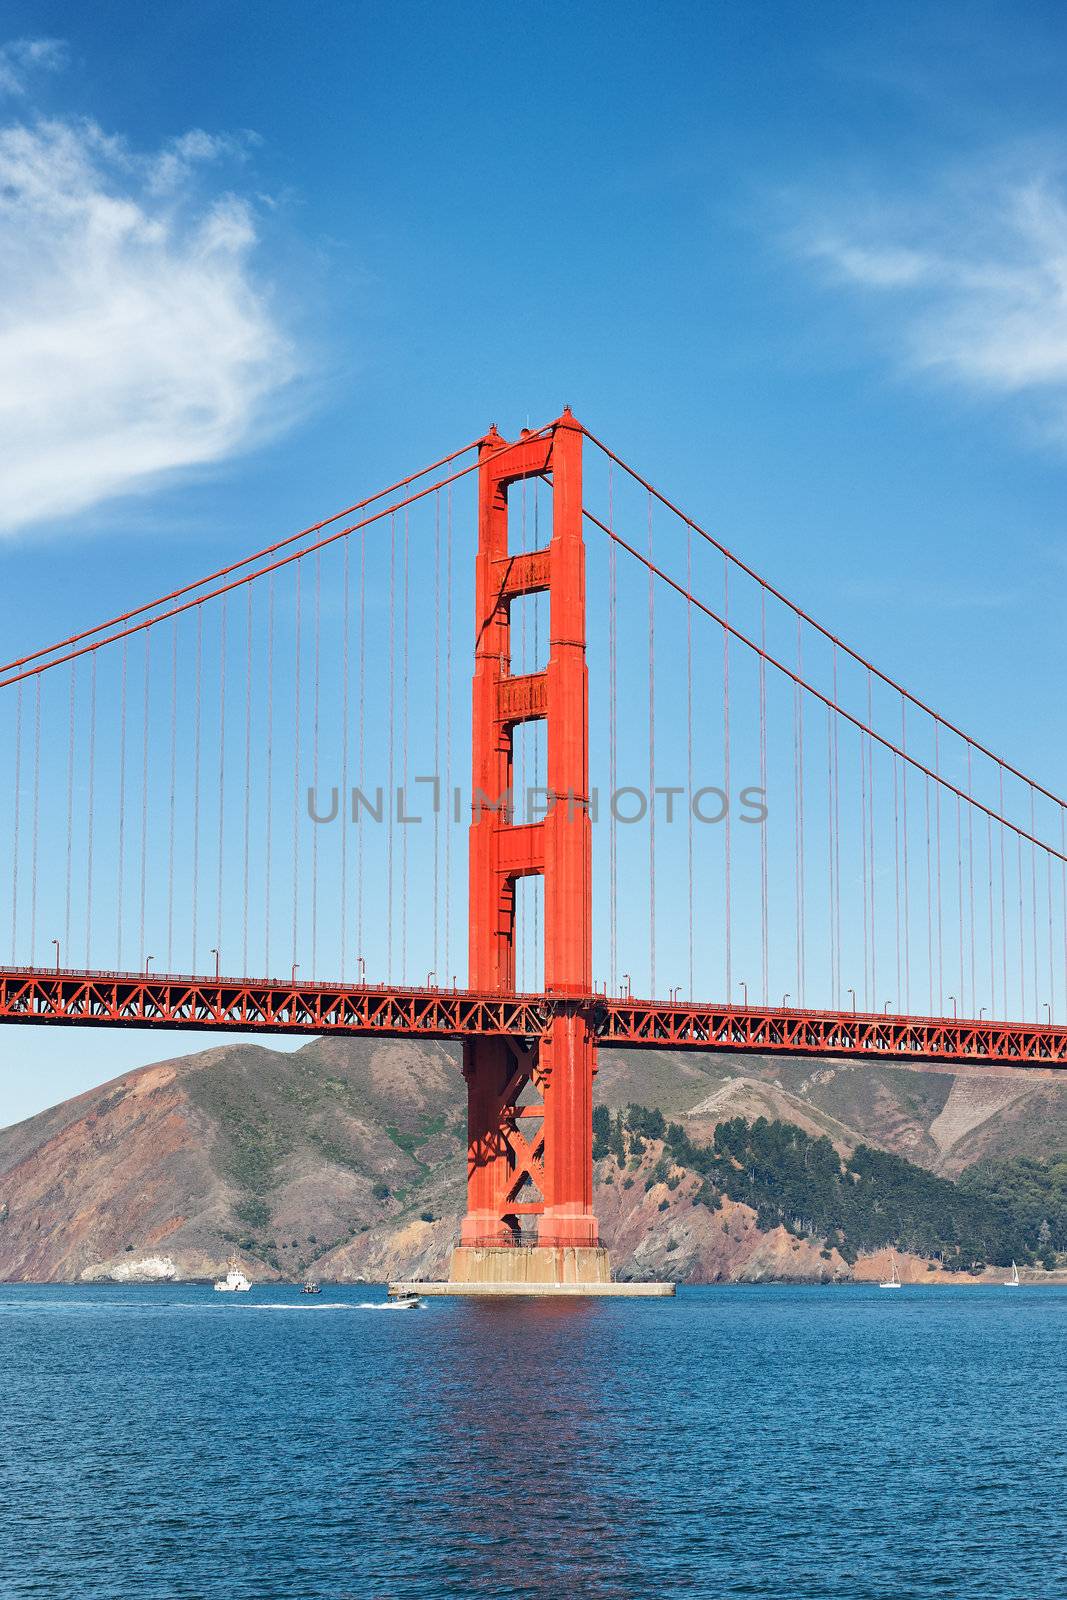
column 21, row 58
column 977, row 277
column 136, row 334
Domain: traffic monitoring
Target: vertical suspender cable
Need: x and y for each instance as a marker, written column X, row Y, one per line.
column 1063, row 897
column 392, row 752
column 959, row 900
column 362, row 736
column 613, row 752
column 907, row 878
column 688, row 747
column 727, row 785
column 248, row 784
column 830, row 893
column 171, row 821
column 197, row 722
column 437, row 718
column 315, row 770
column 801, row 851
column 145, row 747
column 874, row 862
column 1022, row 947
column 940, row 903
column 970, row 874
column 17, row 820
column 764, row 876
column 36, row 820
column 896, row 876
column 91, row 810
column 296, row 761
column 120, row 874
column 1003, row 904
column 652, row 766
column 70, row 805
column 448, row 733
column 1051, row 978
column 345, row 630
column 268, row 798
column 222, row 772
column 1033, row 901
column 929, row 898
column 864, row 856
column 992, row 955
column 837, row 833
column 404, row 754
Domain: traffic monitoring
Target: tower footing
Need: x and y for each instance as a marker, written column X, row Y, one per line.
column 547, row 1270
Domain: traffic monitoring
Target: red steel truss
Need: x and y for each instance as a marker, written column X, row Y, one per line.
column 770, row 1031
column 125, row 999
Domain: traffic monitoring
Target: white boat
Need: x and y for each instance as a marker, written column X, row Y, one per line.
column 1013, row 1281
column 406, row 1302
column 892, row 1282
column 234, row 1282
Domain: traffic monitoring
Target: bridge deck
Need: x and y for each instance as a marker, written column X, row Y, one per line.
column 125, row 999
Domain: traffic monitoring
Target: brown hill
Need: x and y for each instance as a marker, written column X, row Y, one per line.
column 346, row 1157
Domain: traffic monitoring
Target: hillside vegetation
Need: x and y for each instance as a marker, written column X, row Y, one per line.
column 998, row 1212
column 347, row 1158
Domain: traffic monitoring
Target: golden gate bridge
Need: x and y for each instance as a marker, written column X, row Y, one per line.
column 678, row 779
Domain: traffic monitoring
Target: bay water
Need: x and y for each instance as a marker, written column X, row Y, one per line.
column 839, row 1443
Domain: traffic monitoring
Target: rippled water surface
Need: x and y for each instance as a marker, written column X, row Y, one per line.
column 778, row 1442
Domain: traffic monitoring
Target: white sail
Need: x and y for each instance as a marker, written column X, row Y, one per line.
column 892, row 1282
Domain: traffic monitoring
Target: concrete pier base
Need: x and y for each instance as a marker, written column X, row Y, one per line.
column 569, row 1270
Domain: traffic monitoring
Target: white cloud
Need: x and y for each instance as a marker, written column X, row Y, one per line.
column 979, row 276
column 22, row 57
column 135, row 337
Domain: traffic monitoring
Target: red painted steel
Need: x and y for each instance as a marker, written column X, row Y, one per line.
column 518, row 1024
column 546, row 1171
column 778, row 1031
column 529, row 1060
column 264, row 1005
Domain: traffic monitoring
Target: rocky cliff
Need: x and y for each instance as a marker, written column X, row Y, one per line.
column 346, row 1158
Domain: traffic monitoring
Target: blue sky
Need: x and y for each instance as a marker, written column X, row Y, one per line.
column 805, row 266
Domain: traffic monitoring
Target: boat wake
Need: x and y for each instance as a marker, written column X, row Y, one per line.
column 286, row 1305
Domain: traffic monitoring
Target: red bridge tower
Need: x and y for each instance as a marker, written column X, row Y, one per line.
column 529, row 1109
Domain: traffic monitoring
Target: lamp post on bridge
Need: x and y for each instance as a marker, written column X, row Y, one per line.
column 852, row 992
column 628, row 992
column 785, row 999
column 216, row 955
column 955, row 1013
column 362, row 970
column 293, row 973
column 148, row 962
column 743, row 986
column 1048, row 1008
column 56, row 943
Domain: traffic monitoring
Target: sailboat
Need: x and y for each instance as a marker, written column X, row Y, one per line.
column 892, row 1282
column 1013, row 1281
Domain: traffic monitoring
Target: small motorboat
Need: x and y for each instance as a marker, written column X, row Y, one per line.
column 234, row 1282
column 406, row 1302
column 310, row 1287
column 892, row 1282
